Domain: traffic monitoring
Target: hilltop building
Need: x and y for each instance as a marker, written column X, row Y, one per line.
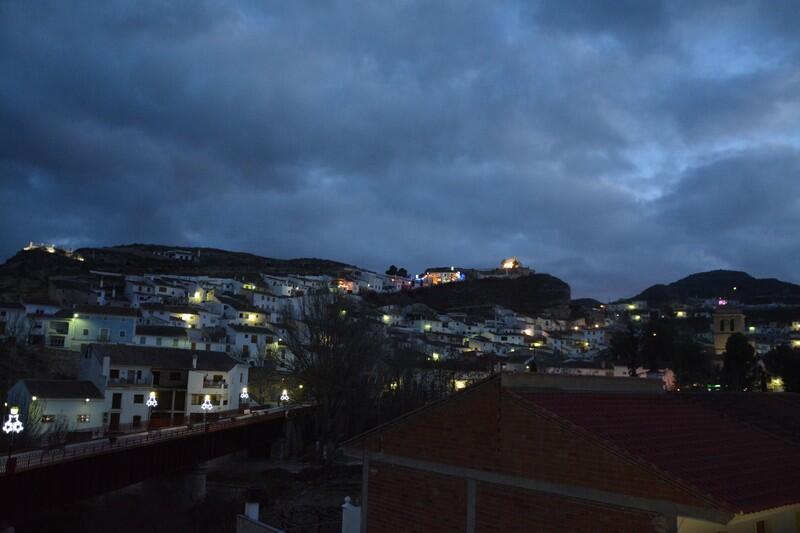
column 726, row 322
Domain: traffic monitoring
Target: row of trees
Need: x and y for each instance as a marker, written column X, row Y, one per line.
column 658, row 345
column 744, row 369
column 394, row 271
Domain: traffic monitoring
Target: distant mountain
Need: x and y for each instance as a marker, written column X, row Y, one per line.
column 722, row 283
column 530, row 295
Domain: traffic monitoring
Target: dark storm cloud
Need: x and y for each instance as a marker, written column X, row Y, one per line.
column 603, row 142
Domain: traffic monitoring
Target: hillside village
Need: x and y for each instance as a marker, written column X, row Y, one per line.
column 194, row 338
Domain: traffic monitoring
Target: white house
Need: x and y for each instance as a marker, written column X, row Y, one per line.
column 73, row 328
column 12, row 320
column 240, row 311
column 250, row 343
column 162, row 336
column 278, row 285
column 179, row 378
column 49, row 404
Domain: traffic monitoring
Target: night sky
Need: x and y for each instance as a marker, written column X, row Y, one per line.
column 612, row 144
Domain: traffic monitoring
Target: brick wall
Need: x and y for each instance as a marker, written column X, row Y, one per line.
column 405, row 500
column 508, row 510
column 408, row 500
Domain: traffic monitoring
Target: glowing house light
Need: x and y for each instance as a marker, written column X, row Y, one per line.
column 284, row 395
column 244, row 394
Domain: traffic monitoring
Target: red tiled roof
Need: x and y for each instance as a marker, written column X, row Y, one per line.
column 733, row 461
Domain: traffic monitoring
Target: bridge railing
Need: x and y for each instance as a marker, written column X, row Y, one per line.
column 41, row 457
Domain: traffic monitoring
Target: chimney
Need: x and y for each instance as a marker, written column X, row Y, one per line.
column 251, row 505
column 194, row 361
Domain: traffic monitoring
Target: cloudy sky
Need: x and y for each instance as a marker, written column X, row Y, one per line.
column 612, row 144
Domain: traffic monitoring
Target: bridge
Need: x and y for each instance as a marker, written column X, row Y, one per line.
column 82, row 470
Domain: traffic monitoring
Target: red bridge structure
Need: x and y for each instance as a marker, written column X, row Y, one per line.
column 82, row 470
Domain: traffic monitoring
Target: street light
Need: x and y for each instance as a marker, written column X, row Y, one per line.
column 206, row 406
column 11, row 427
column 150, row 403
column 284, row 396
column 244, row 397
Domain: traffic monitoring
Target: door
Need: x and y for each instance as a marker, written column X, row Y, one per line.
column 156, row 378
column 114, row 424
column 105, row 334
column 116, row 402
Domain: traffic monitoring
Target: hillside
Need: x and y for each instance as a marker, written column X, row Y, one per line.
column 26, row 273
column 530, row 295
column 722, row 283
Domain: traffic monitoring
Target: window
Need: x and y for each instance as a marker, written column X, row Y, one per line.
column 121, row 333
column 114, row 374
column 142, row 340
column 254, row 339
column 175, row 342
column 138, row 374
column 732, row 325
column 83, row 419
column 137, row 419
column 85, row 332
column 162, row 289
column 241, row 315
column 48, row 419
column 158, row 341
column 105, row 334
column 722, row 325
column 208, row 347
column 2, row 313
column 174, row 376
column 138, row 398
column 116, row 400
column 241, row 377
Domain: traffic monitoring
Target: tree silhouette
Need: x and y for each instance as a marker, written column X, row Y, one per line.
column 739, row 359
column 785, row 362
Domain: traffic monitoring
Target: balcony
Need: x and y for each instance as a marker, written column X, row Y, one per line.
column 210, row 384
column 129, row 381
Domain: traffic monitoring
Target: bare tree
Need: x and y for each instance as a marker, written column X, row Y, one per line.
column 337, row 351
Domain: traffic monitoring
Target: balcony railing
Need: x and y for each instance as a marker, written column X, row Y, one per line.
column 209, row 384
column 130, row 381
